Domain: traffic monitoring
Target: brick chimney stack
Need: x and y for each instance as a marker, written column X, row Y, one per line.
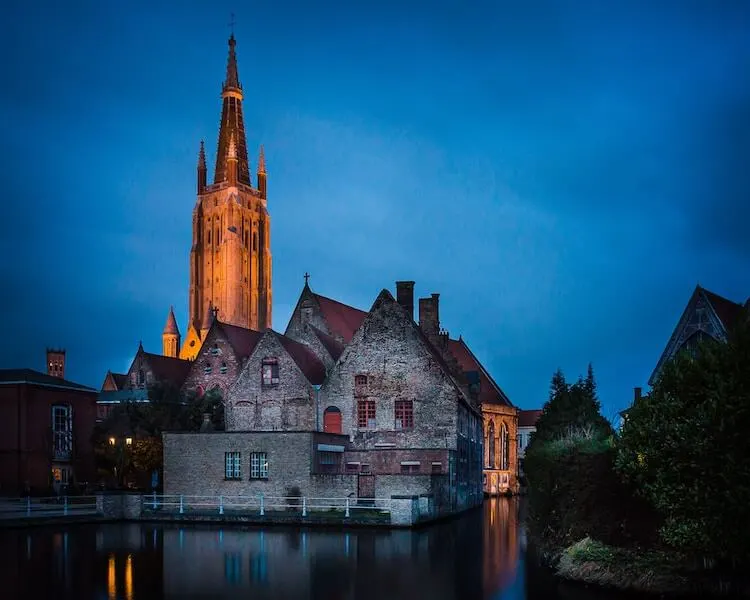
column 429, row 315
column 56, row 363
column 405, row 296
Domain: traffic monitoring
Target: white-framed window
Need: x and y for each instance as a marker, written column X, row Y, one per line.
column 62, row 431
column 270, row 371
column 258, row 465
column 232, row 465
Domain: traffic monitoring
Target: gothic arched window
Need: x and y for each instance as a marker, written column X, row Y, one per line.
column 504, row 448
column 491, row 446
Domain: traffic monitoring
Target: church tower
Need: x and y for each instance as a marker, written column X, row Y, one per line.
column 230, row 258
column 170, row 337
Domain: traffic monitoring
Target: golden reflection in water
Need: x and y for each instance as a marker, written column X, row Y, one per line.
column 499, row 544
column 129, row 578
column 111, row 582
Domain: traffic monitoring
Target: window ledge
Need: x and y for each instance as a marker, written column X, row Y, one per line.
column 257, row 478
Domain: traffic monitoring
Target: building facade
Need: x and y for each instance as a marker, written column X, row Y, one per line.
column 46, row 423
column 350, row 403
column 526, row 426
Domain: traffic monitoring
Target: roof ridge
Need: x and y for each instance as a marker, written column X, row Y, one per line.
column 338, row 302
column 486, row 372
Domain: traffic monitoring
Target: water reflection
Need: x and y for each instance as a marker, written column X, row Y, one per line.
column 480, row 555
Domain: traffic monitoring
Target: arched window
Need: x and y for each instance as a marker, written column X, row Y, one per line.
column 255, row 241
column 332, row 420
column 141, row 377
column 504, row 447
column 491, row 446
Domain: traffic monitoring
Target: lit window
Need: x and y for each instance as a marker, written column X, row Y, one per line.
column 232, row 465
column 366, row 414
column 129, row 441
column 258, row 465
column 270, row 371
column 404, row 414
column 111, row 441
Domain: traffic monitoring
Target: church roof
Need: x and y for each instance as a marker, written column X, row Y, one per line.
column 242, row 340
column 489, row 391
column 166, row 368
column 32, row 377
column 727, row 311
column 331, row 344
column 343, row 320
column 305, row 358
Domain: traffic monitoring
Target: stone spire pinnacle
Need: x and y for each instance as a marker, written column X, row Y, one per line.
column 171, row 325
column 261, row 160
column 202, row 157
column 232, row 123
column 232, row 80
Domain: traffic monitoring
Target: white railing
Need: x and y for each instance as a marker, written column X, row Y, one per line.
column 260, row 505
column 52, row 506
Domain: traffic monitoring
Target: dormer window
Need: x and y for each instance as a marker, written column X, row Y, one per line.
column 223, row 368
column 270, row 371
column 215, row 350
column 207, row 369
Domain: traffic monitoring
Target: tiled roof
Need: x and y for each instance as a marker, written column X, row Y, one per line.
column 171, row 324
column 32, row 377
column 120, row 379
column 332, row 345
column 528, row 418
column 305, row 358
column 489, row 391
column 343, row 320
column 166, row 368
column 242, row 340
column 727, row 311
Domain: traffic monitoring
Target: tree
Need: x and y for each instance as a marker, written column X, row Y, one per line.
column 685, row 447
column 570, row 409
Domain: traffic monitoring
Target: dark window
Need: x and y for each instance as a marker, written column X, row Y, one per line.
column 255, row 241
column 215, row 350
column 329, row 461
column 410, row 467
column 62, row 431
column 360, row 380
column 141, row 377
column 207, row 369
column 404, row 414
column 437, row 467
column 223, row 369
column 270, row 371
column 366, row 414
column 208, row 236
column 352, row 467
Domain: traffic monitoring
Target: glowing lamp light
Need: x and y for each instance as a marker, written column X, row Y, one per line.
column 111, row 441
column 129, row 441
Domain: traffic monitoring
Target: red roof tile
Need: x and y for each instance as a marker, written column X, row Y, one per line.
column 305, row 358
column 528, row 418
column 343, row 320
column 489, row 391
column 242, row 340
column 727, row 311
column 166, row 368
column 331, row 344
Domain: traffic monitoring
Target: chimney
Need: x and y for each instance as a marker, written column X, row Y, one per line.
column 207, row 425
column 56, row 363
column 405, row 296
column 429, row 315
column 636, row 394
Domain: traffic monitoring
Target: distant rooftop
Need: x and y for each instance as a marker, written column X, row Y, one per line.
column 32, row 377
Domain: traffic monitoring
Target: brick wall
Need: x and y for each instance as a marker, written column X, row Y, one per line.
column 305, row 335
column 306, row 312
column 389, row 350
column 215, row 353
column 288, row 405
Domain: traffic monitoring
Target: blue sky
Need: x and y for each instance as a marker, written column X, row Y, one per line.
column 563, row 173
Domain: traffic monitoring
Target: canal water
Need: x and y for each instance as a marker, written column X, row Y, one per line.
column 480, row 555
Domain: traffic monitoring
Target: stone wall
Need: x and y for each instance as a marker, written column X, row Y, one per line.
column 194, row 463
column 289, row 405
column 391, row 353
column 206, row 371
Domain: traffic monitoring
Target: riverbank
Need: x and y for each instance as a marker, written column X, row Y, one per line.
column 639, row 570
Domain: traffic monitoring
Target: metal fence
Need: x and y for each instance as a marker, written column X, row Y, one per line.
column 52, row 506
column 261, row 505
